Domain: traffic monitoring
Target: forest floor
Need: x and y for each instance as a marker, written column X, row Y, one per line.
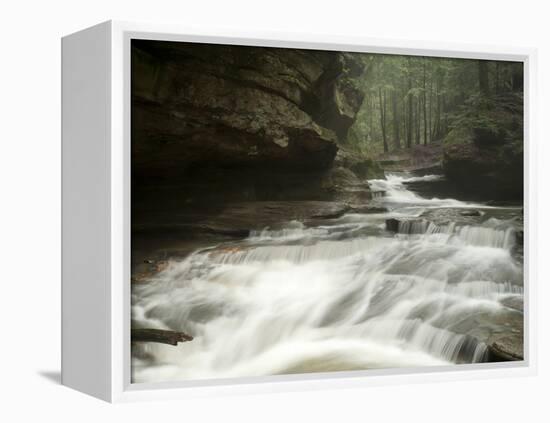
column 415, row 158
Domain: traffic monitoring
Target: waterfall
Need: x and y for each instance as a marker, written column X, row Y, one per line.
column 344, row 296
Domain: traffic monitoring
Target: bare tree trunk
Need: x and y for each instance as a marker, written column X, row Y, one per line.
column 497, row 77
column 424, row 102
column 437, row 118
column 437, row 124
column 445, row 114
column 483, row 72
column 396, row 140
column 517, row 77
column 383, row 117
column 410, row 110
column 430, row 111
column 371, row 103
column 417, row 120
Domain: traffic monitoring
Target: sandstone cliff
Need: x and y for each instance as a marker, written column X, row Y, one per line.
column 199, row 105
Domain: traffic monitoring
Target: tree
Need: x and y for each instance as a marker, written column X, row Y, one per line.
column 426, row 96
column 410, row 105
column 382, row 100
column 395, row 111
column 417, row 119
column 424, row 102
column 483, row 77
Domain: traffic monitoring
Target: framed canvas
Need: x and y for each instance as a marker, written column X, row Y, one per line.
column 259, row 212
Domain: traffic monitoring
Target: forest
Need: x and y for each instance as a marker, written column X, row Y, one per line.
column 417, row 100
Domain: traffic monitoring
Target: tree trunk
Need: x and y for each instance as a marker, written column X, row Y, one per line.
column 483, row 71
column 445, row 115
column 424, row 103
column 383, row 117
column 430, row 108
column 410, row 107
column 497, row 78
column 396, row 140
column 437, row 118
column 372, row 106
column 417, row 120
column 517, row 77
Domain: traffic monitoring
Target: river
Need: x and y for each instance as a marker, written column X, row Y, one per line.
column 343, row 293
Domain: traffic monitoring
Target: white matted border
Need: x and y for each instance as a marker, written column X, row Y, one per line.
column 121, row 388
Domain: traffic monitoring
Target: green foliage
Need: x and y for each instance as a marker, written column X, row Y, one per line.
column 491, row 120
column 459, row 135
column 421, row 99
column 474, row 114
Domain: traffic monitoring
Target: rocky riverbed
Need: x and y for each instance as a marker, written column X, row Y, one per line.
column 301, row 286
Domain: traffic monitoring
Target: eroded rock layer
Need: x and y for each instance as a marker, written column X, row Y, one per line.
column 227, row 106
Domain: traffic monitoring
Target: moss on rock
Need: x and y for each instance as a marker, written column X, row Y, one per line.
column 483, row 153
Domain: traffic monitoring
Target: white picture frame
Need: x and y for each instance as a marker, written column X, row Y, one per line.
column 96, row 213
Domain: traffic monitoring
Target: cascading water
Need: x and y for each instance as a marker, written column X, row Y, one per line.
column 345, row 295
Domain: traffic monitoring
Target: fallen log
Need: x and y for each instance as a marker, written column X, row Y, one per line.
column 160, row 336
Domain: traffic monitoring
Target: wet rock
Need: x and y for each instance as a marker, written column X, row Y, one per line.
column 225, row 231
column 339, row 177
column 515, row 303
column 519, row 237
column 346, row 179
column 470, row 213
column 392, row 225
column 407, row 226
column 431, row 169
column 507, row 348
column 330, row 213
column 367, row 208
column 501, row 331
column 236, row 220
column 501, row 203
column 444, row 216
column 143, row 272
column 363, row 167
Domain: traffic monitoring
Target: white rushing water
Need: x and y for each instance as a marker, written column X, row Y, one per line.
column 345, row 296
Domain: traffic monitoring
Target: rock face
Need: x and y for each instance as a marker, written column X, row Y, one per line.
column 346, row 178
column 236, row 220
column 196, row 106
column 226, row 139
column 485, row 155
column 362, row 167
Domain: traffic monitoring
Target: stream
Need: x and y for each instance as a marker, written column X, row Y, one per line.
column 342, row 294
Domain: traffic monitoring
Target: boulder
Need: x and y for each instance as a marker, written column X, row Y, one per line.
column 338, row 177
column 501, row 331
column 364, row 167
column 483, row 154
column 507, row 348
